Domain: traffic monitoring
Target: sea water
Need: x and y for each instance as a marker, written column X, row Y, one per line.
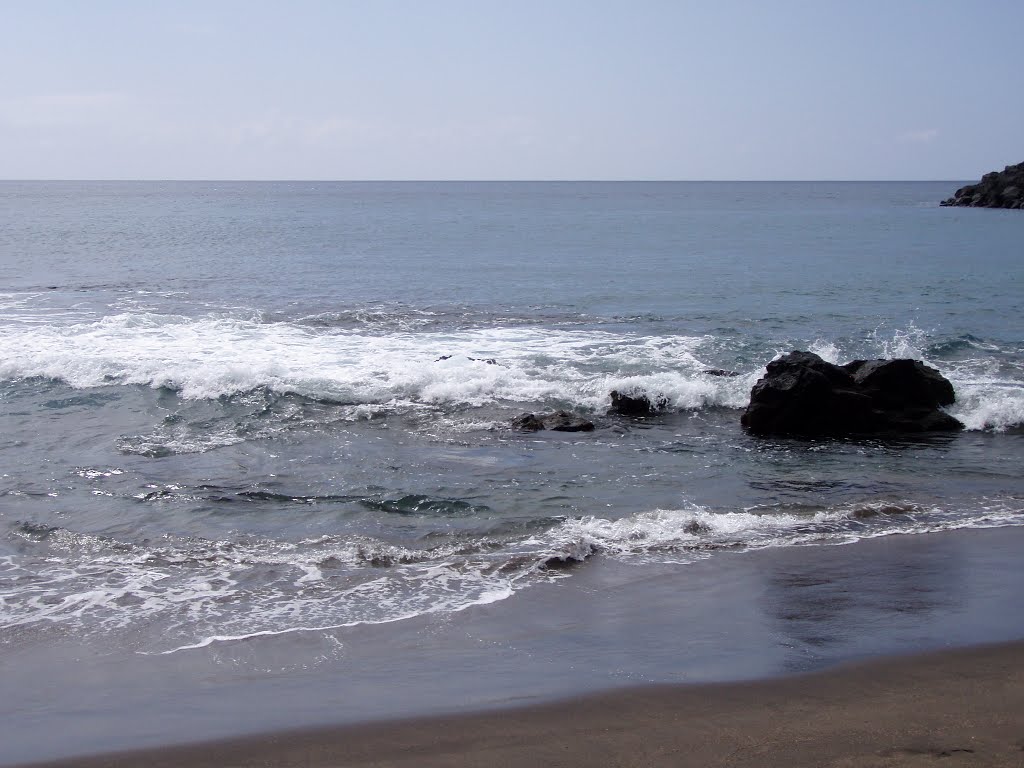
column 232, row 412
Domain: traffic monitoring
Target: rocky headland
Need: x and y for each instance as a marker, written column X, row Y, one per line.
column 999, row 189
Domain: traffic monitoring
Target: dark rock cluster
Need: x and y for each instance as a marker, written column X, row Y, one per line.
column 999, row 189
column 801, row 394
column 559, row 421
column 637, row 404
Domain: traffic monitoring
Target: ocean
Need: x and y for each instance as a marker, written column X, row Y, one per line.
column 255, row 437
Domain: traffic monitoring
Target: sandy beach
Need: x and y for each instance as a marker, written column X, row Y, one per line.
column 962, row 707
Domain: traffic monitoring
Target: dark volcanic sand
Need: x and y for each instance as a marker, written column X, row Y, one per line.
column 949, row 709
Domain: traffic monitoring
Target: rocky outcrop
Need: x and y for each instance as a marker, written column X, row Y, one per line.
column 999, row 189
column 636, row 404
column 559, row 421
column 528, row 422
column 801, row 394
column 563, row 421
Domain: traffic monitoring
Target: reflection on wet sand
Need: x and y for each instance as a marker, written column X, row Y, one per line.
column 832, row 595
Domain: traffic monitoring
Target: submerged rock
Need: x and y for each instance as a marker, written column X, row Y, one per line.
column 999, row 189
column 636, row 405
column 528, row 422
column 559, row 421
column 573, row 554
column 563, row 421
column 801, row 394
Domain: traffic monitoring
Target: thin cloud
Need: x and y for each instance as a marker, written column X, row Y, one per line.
column 63, row 108
column 920, row 137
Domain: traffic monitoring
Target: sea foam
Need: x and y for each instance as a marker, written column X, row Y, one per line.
column 196, row 588
column 215, row 357
column 219, row 355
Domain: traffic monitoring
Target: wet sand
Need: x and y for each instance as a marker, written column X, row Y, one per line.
column 952, row 708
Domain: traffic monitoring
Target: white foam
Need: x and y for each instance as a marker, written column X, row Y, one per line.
column 233, row 591
column 682, row 535
column 222, row 355
column 215, row 356
column 487, row 597
column 827, row 351
column 909, row 342
column 204, row 592
column 989, row 405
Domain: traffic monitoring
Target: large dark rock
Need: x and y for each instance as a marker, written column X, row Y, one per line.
column 801, row 394
column 636, row 405
column 999, row 189
column 901, row 383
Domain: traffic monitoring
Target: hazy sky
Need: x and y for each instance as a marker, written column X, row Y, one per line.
column 516, row 89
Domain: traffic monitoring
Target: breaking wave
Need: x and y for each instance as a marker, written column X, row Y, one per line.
column 209, row 358
column 219, row 356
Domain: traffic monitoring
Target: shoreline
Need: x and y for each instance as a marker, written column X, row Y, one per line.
column 607, row 627
column 963, row 706
column 608, row 631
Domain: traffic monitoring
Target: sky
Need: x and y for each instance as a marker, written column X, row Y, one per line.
column 510, row 89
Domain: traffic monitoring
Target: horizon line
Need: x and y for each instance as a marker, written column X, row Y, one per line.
column 478, row 181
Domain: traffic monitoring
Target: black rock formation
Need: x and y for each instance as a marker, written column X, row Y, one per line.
column 999, row 189
column 801, row 394
column 559, row 421
column 528, row 422
column 636, row 405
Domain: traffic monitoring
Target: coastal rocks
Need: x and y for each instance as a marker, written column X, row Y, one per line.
column 528, row 422
column 801, row 394
column 999, row 189
column 636, row 404
column 562, row 421
column 559, row 421
column 488, row 360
